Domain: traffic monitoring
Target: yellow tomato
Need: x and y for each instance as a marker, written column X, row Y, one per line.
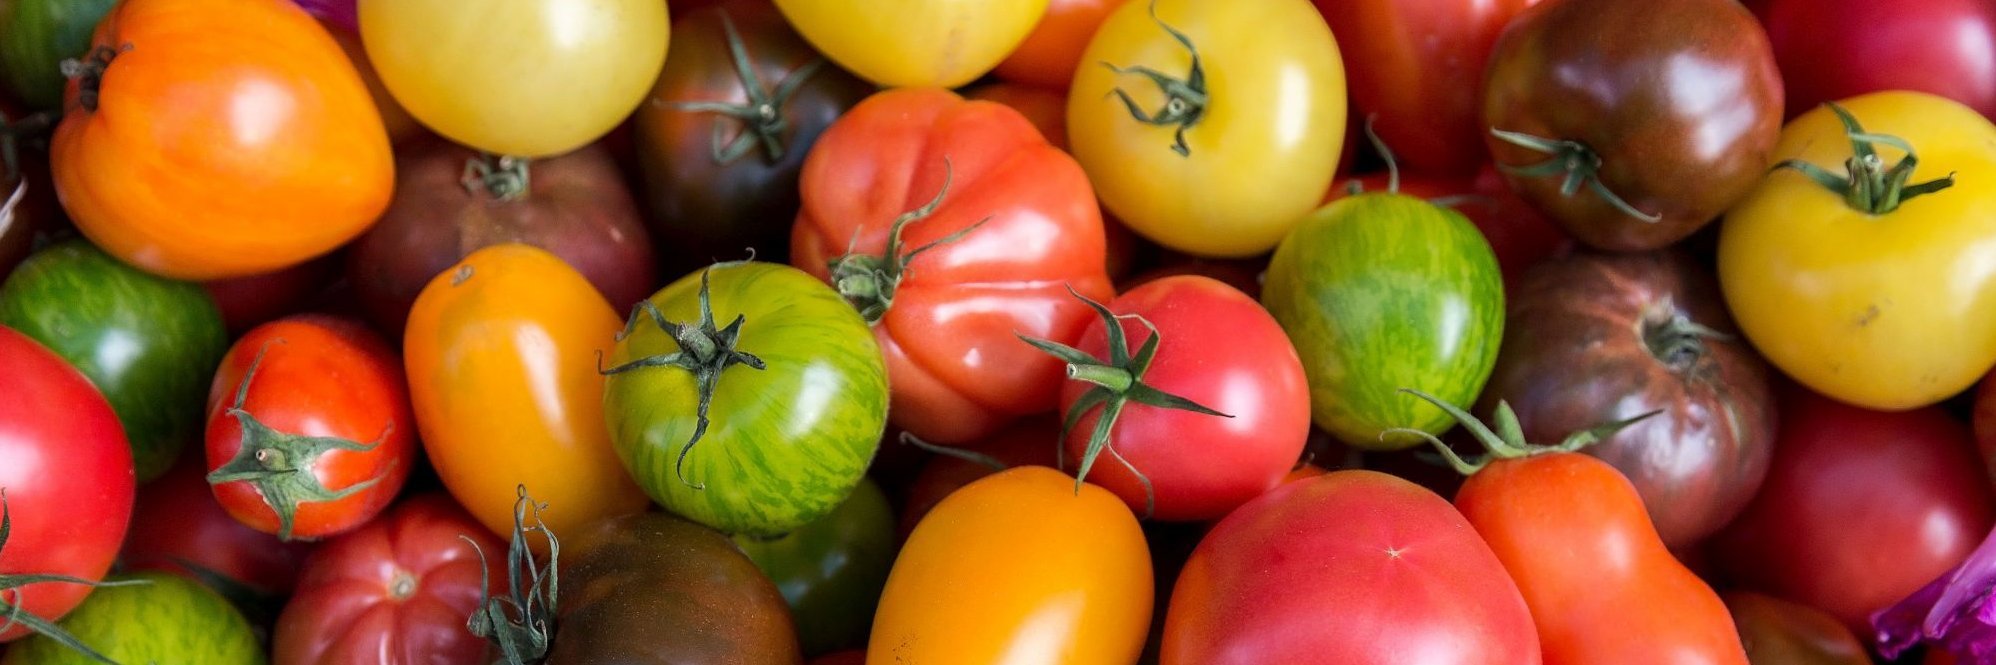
column 501, row 351
column 904, row 43
column 526, row 78
column 1223, row 158
column 1883, row 308
column 1018, row 568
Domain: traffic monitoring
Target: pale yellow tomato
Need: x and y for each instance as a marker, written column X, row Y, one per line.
column 906, row 43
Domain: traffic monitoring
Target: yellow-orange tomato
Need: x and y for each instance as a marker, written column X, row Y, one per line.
column 501, row 351
column 1053, row 49
column 219, row 138
column 914, row 43
column 1018, row 567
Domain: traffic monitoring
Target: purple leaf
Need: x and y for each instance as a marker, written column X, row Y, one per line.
column 1954, row 613
column 337, row 12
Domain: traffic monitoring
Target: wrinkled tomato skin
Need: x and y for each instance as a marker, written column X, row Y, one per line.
column 1834, row 49
column 176, row 519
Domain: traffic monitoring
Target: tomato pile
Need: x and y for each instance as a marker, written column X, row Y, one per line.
column 1077, row 332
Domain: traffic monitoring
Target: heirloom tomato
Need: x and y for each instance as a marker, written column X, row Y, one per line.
column 219, row 138
column 27, row 199
column 1518, row 233
column 1780, row 632
column 953, row 227
column 1045, row 108
column 36, row 36
column 1051, row 52
column 915, row 43
column 178, row 527
column 1210, row 127
column 247, row 302
column 831, row 571
column 1833, row 49
column 152, row 619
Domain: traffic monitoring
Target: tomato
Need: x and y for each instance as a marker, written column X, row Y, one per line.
column 1423, row 73
column 309, row 429
column 1242, row 274
column 1210, row 128
column 1380, row 291
column 246, row 302
column 36, row 36
column 67, row 475
column 719, row 174
column 789, row 398
column 1632, row 333
column 397, row 590
column 1052, row 51
column 501, row 355
column 260, row 146
column 574, row 205
column 1665, row 126
column 1034, row 440
column 1518, row 234
column 831, row 570
column 147, row 342
column 157, row 618
column 1412, row 582
column 340, row 14
column 915, row 43
column 841, row 658
column 1851, row 297
column 1060, row 573
column 178, row 527
column 1830, row 50
column 1831, row 526
column 1983, row 421
column 524, row 78
column 1777, row 631
column 401, row 127
column 27, row 199
column 1046, row 109
column 954, row 228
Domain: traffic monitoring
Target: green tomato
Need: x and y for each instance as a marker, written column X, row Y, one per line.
column 36, row 36
column 1381, row 292
column 163, row 620
column 757, row 415
column 149, row 343
column 832, row 571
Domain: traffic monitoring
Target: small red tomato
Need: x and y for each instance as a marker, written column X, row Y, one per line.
column 176, row 522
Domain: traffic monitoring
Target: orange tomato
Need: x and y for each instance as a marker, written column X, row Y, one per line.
column 501, row 351
column 219, row 138
column 1047, row 109
column 1053, row 49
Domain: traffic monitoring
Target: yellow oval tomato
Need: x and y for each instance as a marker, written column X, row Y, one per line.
column 1218, row 155
column 1885, row 308
column 1018, row 567
column 526, row 78
column 905, row 43
column 501, row 351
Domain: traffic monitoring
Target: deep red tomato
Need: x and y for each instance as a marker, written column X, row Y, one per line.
column 1519, row 235
column 397, row 591
column 841, row 658
column 309, row 428
column 1835, row 49
column 1983, row 421
column 1860, row 509
column 246, row 302
column 177, row 521
column 1050, row 53
column 67, row 476
column 1034, row 440
column 1010, row 224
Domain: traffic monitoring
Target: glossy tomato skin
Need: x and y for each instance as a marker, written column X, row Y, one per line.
column 1415, row 581
column 396, row 591
column 915, row 43
column 310, row 375
column 1852, row 304
column 1261, row 154
column 1052, row 51
column 262, row 147
column 68, row 477
column 1829, row 527
column 785, row 444
column 35, row 37
column 160, row 618
column 1062, row 577
column 831, row 570
column 147, row 342
column 27, row 204
column 705, row 208
column 501, row 355
column 951, row 334
column 176, row 521
column 1830, row 50
column 1033, row 440
column 1518, row 233
column 1779, row 631
column 1423, row 73
column 575, row 206
column 654, row 588
column 1619, row 330
column 1683, row 113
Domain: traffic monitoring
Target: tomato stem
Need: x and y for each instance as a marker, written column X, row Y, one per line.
column 88, row 72
column 868, row 281
column 1870, row 187
column 1508, row 440
column 1185, row 98
column 761, row 116
column 11, row 133
column 971, row 456
column 11, row 611
column 1673, row 338
column 520, row 623
column 1579, row 164
column 504, row 178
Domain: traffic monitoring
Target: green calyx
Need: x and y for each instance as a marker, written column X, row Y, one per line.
column 88, row 71
column 1118, row 382
column 1355, row 188
column 1508, row 441
column 280, row 465
column 705, row 350
column 868, row 281
column 761, row 116
column 503, row 178
column 1578, row 165
column 520, row 623
column 1870, row 186
column 970, row 456
column 11, row 584
column 1184, row 98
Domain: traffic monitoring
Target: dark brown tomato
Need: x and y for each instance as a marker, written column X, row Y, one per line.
column 1594, row 338
column 1680, row 102
column 718, row 184
column 246, row 302
column 27, row 197
column 575, row 206
column 1779, row 632
column 655, row 589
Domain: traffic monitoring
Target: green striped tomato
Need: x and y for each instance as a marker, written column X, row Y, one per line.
column 159, row 619
column 798, row 397
column 1381, row 292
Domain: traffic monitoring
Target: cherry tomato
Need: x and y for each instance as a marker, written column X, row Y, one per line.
column 1052, row 51
column 915, row 43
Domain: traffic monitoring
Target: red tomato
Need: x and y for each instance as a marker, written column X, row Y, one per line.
column 177, row 520
column 398, row 590
column 1351, row 567
column 1050, row 53
column 1243, row 274
column 246, row 302
column 1835, row 49
column 841, row 658
column 309, row 428
column 1046, row 108
column 67, row 476
column 1860, row 509
column 1518, row 234
column 1030, row 441
column 1014, row 225
column 1984, row 422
